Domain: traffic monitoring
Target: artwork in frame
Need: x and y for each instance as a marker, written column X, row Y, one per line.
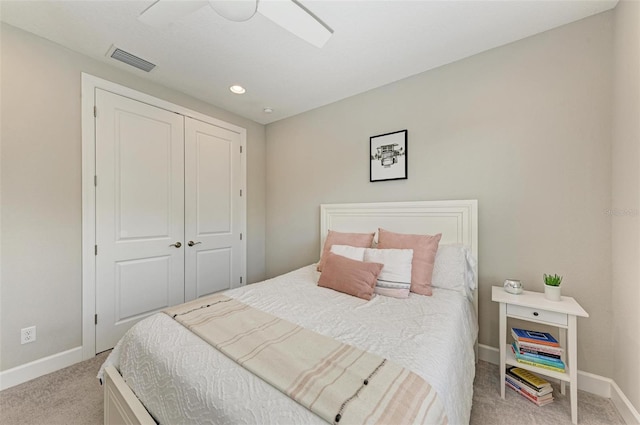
column 388, row 156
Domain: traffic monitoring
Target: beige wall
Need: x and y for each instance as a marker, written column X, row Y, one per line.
column 41, row 190
column 626, row 200
column 523, row 128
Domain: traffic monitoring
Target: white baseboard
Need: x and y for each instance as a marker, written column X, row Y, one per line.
column 594, row 384
column 488, row 354
column 589, row 382
column 35, row 369
column 624, row 406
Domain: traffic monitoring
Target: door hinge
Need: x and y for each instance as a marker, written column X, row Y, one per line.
column 95, row 249
column 95, row 319
column 240, row 149
column 240, row 192
column 240, row 279
column 95, row 180
column 95, row 111
column 240, row 236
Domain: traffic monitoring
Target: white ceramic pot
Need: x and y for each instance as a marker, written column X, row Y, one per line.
column 552, row 293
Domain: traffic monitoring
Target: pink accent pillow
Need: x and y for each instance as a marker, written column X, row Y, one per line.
column 424, row 256
column 352, row 277
column 360, row 240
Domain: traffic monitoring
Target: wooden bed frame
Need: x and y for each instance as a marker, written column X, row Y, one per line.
column 456, row 220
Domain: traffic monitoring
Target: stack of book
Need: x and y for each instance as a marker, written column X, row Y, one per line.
column 529, row 385
column 539, row 349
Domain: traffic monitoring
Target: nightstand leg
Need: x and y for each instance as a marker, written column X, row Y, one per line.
column 503, row 346
column 563, row 343
column 572, row 347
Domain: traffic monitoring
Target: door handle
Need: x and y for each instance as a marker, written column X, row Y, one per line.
column 177, row 244
column 192, row 243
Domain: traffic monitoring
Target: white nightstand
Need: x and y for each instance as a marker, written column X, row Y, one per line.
column 534, row 307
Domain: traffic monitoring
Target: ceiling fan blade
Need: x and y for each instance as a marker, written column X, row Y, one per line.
column 164, row 12
column 295, row 18
column 235, row 10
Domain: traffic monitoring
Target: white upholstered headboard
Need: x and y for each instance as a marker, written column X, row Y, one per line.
column 456, row 220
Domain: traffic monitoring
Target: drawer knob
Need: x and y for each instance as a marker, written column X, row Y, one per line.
column 535, row 313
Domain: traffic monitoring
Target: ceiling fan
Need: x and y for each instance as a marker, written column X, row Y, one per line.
column 289, row 14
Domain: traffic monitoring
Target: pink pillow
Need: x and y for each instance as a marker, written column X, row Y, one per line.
column 352, row 277
column 424, row 256
column 360, row 240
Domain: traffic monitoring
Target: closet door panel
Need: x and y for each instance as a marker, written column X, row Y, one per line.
column 213, row 184
column 139, row 213
column 213, row 270
column 212, row 209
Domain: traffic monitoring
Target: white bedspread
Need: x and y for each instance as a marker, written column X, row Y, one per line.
column 181, row 379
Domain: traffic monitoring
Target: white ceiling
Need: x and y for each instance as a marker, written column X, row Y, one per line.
column 374, row 43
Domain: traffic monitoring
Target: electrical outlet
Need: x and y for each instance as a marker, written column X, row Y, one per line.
column 27, row 335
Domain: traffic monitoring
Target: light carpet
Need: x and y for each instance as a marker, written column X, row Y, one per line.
column 73, row 396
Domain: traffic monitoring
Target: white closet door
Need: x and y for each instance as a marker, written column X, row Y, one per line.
column 139, row 213
column 212, row 209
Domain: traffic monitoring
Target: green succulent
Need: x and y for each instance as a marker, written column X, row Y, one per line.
column 554, row 280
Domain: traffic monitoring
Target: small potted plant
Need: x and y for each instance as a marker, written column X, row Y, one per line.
column 552, row 287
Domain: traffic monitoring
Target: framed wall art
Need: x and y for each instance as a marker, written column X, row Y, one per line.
column 388, row 156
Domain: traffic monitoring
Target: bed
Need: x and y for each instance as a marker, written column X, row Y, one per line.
column 161, row 372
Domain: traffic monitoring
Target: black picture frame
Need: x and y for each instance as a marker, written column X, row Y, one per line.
column 388, row 156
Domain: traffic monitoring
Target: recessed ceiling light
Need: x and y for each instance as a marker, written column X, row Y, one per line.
column 237, row 89
column 268, row 110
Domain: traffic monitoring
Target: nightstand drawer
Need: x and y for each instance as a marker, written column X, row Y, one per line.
column 529, row 313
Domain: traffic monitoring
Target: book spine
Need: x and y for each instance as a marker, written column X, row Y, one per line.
column 530, row 377
column 543, row 360
column 543, row 348
column 534, row 399
column 513, row 384
column 523, row 394
column 542, row 395
column 522, row 335
column 522, row 387
column 530, row 388
column 542, row 365
column 523, row 382
column 540, row 353
column 535, row 341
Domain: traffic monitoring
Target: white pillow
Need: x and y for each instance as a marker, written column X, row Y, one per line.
column 395, row 278
column 352, row 252
column 454, row 269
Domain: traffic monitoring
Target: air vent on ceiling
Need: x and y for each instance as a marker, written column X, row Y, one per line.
column 132, row 60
